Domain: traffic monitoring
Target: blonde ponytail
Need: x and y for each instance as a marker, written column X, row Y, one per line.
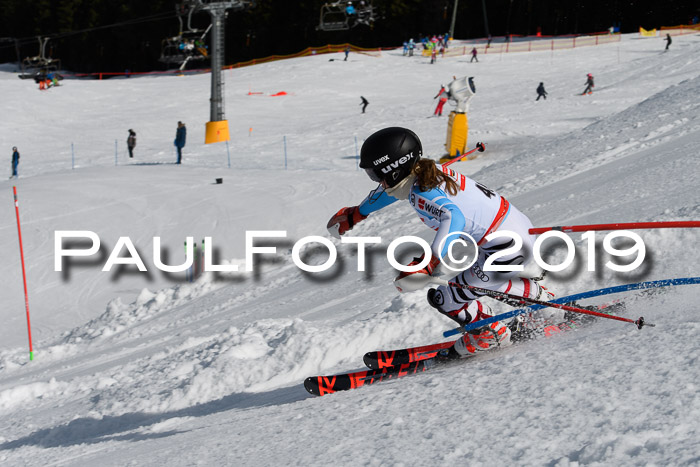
column 430, row 177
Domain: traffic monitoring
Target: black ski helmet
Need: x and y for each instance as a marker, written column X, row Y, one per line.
column 390, row 154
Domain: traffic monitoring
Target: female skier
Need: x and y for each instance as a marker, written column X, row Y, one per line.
column 456, row 207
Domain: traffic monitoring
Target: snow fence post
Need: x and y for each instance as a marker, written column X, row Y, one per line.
column 201, row 268
column 194, row 263
column 284, row 139
column 357, row 155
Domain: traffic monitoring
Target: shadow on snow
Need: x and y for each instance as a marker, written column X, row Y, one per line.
column 114, row 428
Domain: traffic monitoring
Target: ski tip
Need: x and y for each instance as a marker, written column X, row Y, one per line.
column 369, row 359
column 311, row 385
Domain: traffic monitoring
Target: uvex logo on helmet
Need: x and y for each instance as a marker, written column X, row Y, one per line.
column 381, row 159
column 395, row 165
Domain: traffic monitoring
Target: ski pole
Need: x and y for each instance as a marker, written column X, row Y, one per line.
column 505, row 297
column 623, row 226
column 479, row 147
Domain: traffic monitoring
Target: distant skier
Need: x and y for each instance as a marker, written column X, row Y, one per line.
column 41, row 81
column 474, row 52
column 15, row 162
column 541, row 92
column 131, row 142
column 668, row 41
column 589, row 85
column 347, row 52
column 457, row 208
column 180, row 139
column 444, row 94
column 364, row 103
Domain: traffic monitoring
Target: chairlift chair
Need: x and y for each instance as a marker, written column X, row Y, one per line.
column 343, row 15
column 175, row 49
column 40, row 65
column 187, row 45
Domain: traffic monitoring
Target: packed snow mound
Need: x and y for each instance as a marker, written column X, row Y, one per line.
column 258, row 357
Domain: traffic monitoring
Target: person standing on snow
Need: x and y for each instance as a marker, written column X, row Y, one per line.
column 474, row 52
column 364, row 103
column 444, row 94
column 456, row 207
column 180, row 139
column 541, row 92
column 668, row 41
column 15, row 162
column 131, row 142
column 589, row 85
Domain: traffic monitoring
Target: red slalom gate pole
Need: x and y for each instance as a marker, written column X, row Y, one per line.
column 623, row 226
column 24, row 275
column 479, row 147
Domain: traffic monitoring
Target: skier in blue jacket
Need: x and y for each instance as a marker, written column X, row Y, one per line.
column 180, row 138
column 15, row 161
column 455, row 207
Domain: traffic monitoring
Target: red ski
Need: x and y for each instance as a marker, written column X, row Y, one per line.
column 322, row 385
column 386, row 358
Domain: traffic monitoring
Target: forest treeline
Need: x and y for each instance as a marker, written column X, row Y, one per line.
column 109, row 35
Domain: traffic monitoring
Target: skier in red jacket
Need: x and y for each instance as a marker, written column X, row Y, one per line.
column 444, row 94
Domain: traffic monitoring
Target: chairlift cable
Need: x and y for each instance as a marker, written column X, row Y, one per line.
column 31, row 39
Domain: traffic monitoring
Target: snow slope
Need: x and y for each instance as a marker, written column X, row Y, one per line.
column 149, row 369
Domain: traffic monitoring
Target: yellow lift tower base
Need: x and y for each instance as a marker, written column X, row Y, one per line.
column 457, row 133
column 216, row 132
